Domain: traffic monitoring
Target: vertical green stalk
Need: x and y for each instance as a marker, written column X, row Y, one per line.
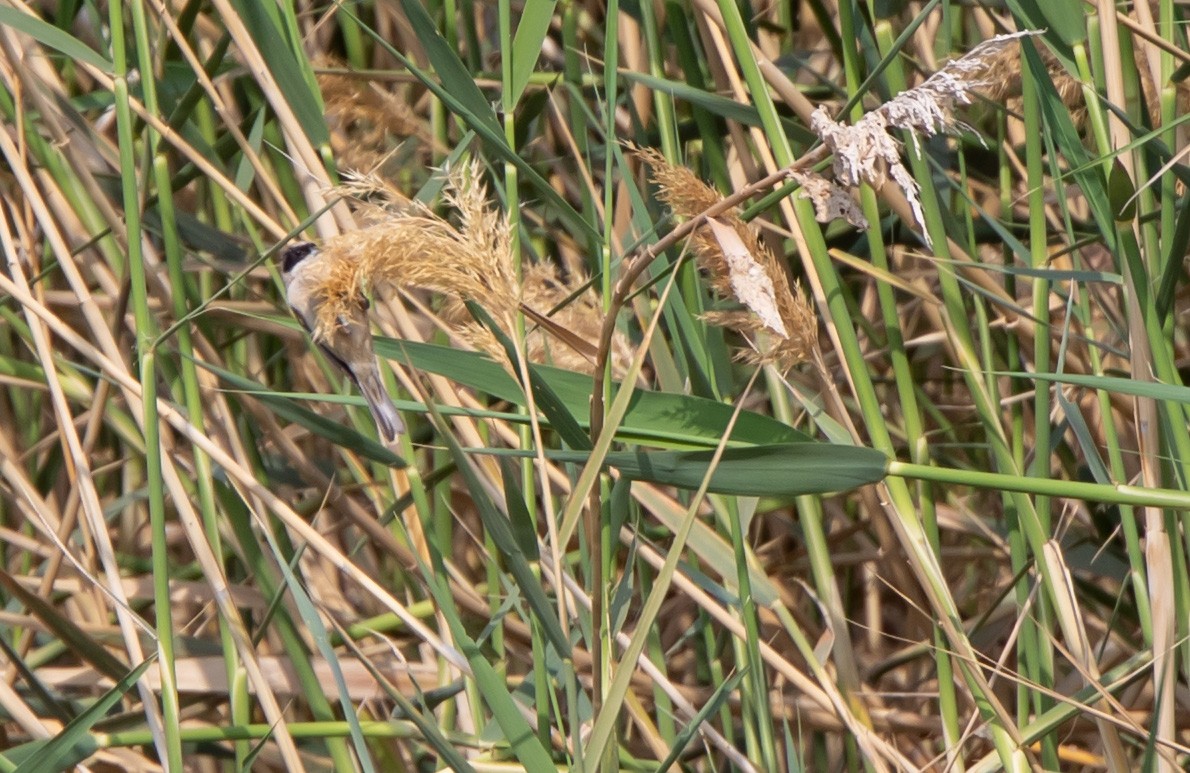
column 439, row 123
column 907, row 402
column 353, row 39
column 1167, row 27
column 1036, row 657
column 511, row 92
column 663, row 103
column 909, row 528
column 573, row 68
column 191, row 397
column 512, row 202
column 1152, row 356
column 1142, row 237
column 758, row 733
column 1042, row 335
column 598, row 532
column 754, row 688
column 665, row 712
column 146, row 354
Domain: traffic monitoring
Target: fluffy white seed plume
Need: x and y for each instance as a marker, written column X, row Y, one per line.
column 868, row 152
column 830, row 200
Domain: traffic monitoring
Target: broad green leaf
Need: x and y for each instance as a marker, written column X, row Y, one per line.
column 526, row 44
column 1064, row 20
column 653, row 418
column 786, row 470
column 299, row 93
column 1121, row 193
column 521, row 521
column 1174, row 255
column 452, row 73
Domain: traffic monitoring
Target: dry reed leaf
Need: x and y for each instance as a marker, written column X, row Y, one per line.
column 749, row 282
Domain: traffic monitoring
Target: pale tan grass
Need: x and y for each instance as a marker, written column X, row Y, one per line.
column 210, row 171
column 357, row 490
column 312, row 176
column 711, row 17
column 226, row 111
column 1158, row 559
column 207, row 675
column 817, row 686
column 1074, row 632
column 366, row 122
column 242, row 476
column 115, row 368
column 131, row 625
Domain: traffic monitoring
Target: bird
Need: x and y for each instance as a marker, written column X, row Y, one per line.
column 349, row 344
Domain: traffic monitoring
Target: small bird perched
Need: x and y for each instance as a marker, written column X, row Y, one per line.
column 349, row 345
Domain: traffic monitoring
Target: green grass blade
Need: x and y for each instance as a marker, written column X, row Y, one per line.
column 54, row 37
column 75, row 743
column 654, row 418
column 526, row 44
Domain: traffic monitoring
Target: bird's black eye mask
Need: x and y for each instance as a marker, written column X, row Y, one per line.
column 294, row 255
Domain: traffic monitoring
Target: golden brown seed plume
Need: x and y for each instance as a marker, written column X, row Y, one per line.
column 777, row 318
column 468, row 258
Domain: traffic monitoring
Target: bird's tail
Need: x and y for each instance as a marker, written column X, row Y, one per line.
column 384, row 413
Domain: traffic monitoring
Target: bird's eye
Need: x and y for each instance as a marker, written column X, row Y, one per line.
column 365, row 304
column 296, row 254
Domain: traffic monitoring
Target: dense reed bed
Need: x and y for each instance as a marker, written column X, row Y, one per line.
column 790, row 386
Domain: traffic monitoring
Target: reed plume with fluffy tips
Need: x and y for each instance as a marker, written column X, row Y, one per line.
column 777, row 319
column 470, row 259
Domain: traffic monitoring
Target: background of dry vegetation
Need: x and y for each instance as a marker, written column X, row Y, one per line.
column 210, row 563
